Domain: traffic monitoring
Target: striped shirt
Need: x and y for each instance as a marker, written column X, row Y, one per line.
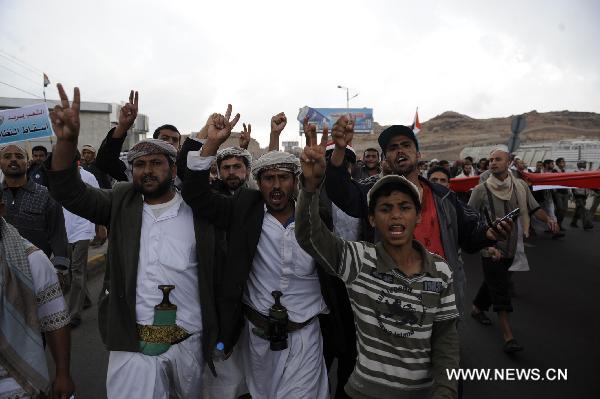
column 396, row 316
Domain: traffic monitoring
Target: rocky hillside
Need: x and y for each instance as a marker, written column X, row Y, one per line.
column 444, row 136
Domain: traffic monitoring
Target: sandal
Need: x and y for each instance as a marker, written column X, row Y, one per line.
column 481, row 317
column 512, row 346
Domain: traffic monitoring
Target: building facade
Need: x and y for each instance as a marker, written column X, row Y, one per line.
column 96, row 120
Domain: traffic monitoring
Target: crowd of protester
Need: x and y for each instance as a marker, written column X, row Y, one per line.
column 228, row 276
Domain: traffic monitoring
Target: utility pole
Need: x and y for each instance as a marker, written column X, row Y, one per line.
column 348, row 98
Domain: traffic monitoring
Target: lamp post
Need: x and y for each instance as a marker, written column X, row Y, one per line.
column 348, row 97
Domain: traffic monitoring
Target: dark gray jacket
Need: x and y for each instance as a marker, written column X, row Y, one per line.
column 121, row 209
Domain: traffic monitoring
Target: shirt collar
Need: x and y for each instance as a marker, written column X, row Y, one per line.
column 172, row 210
column 291, row 220
column 385, row 263
column 29, row 186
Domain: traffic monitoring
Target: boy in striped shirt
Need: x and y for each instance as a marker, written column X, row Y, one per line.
column 401, row 294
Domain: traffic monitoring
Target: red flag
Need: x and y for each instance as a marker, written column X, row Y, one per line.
column 46, row 80
column 571, row 179
column 416, row 126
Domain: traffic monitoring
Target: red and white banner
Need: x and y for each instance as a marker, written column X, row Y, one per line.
column 571, row 179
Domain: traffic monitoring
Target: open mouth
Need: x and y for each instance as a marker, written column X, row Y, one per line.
column 397, row 230
column 277, row 197
column 401, row 159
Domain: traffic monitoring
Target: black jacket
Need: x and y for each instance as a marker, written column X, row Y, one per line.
column 241, row 216
column 107, row 158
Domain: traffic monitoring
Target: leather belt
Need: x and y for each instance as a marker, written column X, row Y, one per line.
column 162, row 334
column 261, row 321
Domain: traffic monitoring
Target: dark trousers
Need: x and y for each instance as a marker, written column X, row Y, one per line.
column 79, row 290
column 581, row 212
column 561, row 206
column 345, row 366
column 494, row 289
column 339, row 335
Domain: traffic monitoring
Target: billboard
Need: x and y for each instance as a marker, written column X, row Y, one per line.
column 319, row 116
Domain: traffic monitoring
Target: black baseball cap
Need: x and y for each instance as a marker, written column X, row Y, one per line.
column 396, row 130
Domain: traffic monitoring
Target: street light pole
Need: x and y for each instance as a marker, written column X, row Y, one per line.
column 348, row 98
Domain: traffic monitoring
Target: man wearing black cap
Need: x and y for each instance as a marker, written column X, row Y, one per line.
column 447, row 224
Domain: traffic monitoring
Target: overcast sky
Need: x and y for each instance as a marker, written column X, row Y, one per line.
column 188, row 59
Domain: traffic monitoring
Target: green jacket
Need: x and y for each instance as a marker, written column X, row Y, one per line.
column 121, row 210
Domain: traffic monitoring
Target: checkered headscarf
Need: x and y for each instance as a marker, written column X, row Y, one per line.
column 276, row 160
column 234, row 152
column 151, row 146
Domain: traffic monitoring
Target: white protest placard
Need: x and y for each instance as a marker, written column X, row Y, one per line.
column 26, row 123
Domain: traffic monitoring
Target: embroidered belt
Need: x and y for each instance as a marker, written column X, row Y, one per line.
column 161, row 334
column 261, row 321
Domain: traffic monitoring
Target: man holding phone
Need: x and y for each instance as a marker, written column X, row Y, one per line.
column 499, row 195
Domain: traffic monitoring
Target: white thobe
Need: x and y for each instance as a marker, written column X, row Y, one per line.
column 280, row 264
column 78, row 228
column 520, row 263
column 167, row 256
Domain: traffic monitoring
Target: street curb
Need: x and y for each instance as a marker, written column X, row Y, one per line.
column 96, row 265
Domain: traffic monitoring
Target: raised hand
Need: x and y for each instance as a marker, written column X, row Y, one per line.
column 310, row 130
column 65, row 117
column 278, row 123
column 129, row 111
column 127, row 115
column 244, row 139
column 312, row 158
column 343, row 131
column 218, row 130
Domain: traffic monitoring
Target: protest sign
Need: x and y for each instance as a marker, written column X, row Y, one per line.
column 26, row 123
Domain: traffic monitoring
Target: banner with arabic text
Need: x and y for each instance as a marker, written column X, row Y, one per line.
column 26, row 123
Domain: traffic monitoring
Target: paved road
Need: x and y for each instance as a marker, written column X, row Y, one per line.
column 89, row 358
column 556, row 318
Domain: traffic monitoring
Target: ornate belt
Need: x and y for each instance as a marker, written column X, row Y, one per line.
column 161, row 334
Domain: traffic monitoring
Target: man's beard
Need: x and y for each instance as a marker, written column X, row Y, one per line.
column 233, row 183
column 162, row 188
column 14, row 172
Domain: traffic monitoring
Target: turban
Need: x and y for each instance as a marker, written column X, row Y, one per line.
column 234, row 152
column 89, row 148
column 276, row 160
column 19, row 148
column 500, row 147
column 151, row 146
